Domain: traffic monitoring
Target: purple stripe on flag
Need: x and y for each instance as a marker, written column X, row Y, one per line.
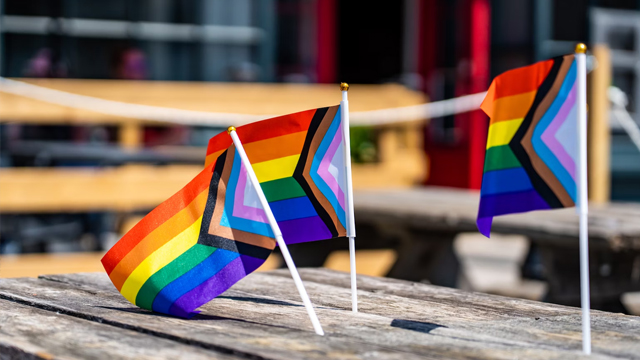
column 510, row 203
column 548, row 136
column 484, row 225
column 303, row 230
column 215, row 285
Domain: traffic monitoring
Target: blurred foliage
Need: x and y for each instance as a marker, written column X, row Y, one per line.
column 363, row 145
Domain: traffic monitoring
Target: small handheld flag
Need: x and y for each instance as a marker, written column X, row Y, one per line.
column 216, row 230
column 299, row 163
column 532, row 149
column 537, row 150
column 303, row 164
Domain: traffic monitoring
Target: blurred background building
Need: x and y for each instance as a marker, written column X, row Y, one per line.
column 443, row 48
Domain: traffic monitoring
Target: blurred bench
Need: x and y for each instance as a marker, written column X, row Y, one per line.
column 66, row 190
column 422, row 224
column 56, row 153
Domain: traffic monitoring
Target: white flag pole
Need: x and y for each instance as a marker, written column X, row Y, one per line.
column 276, row 231
column 351, row 223
column 583, row 199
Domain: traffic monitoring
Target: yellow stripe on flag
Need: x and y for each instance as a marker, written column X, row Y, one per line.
column 276, row 169
column 159, row 259
column 502, row 132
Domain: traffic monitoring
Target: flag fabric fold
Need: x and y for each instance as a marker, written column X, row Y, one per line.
column 214, row 231
column 531, row 154
column 299, row 162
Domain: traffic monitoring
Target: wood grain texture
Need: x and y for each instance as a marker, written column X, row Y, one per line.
column 28, row 331
column 611, row 225
column 262, row 317
column 230, row 333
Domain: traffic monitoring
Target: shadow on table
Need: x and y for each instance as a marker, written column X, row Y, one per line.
column 260, row 300
column 419, row 326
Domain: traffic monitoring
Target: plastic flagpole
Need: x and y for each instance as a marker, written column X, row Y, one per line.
column 351, row 222
column 583, row 199
column 276, row 231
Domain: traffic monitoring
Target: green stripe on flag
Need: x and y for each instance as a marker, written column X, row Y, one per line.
column 178, row 267
column 281, row 189
column 500, row 157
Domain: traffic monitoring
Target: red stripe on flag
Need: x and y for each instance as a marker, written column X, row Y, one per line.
column 516, row 81
column 261, row 130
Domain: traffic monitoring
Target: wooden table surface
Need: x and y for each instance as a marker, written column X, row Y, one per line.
column 261, row 317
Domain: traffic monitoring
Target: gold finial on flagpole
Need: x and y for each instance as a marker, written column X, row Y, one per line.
column 344, row 86
column 230, row 129
column 581, row 48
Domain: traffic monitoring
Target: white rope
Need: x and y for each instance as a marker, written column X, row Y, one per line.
column 619, row 109
column 118, row 108
column 204, row 118
column 418, row 112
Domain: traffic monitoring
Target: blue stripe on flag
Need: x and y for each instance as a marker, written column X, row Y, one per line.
column 505, row 181
column 289, row 209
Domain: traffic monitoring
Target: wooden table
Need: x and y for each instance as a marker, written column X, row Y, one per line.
column 422, row 224
column 261, row 317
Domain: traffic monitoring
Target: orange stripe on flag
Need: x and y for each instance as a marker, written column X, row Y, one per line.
column 275, row 148
column 155, row 218
column 515, row 82
column 156, row 239
column 512, row 107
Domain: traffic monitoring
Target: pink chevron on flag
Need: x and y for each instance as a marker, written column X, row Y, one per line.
column 550, row 135
column 332, row 161
column 246, row 204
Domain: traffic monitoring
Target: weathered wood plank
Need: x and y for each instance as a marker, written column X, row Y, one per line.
column 538, row 325
column 92, row 297
column 27, row 331
column 404, row 326
column 262, row 317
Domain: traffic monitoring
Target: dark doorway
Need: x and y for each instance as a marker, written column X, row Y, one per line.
column 369, row 42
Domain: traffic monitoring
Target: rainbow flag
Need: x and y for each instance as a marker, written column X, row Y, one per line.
column 532, row 152
column 213, row 232
column 299, row 162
